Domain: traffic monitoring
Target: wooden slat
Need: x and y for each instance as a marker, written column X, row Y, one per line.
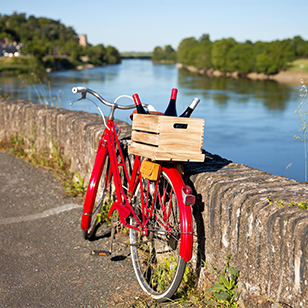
column 188, row 156
column 145, row 137
column 141, row 150
column 147, row 151
column 146, row 122
column 174, row 144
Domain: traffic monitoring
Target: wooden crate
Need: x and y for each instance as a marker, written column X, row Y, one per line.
column 155, row 137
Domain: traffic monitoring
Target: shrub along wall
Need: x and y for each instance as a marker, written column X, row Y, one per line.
column 239, row 210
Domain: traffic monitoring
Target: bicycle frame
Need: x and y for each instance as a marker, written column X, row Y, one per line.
column 107, row 145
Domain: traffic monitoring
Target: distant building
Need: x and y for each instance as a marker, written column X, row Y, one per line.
column 83, row 40
column 8, row 49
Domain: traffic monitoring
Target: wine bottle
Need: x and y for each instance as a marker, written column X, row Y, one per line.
column 187, row 113
column 171, row 110
column 138, row 104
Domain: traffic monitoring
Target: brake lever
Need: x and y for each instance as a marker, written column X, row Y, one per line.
column 83, row 96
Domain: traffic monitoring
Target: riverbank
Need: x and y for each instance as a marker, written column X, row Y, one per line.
column 292, row 77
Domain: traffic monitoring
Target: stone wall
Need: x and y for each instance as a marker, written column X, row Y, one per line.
column 75, row 133
column 236, row 213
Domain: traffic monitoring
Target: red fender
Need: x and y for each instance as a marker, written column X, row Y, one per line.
column 185, row 214
column 92, row 188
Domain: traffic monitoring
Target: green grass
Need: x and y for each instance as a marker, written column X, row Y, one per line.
column 299, row 65
column 19, row 64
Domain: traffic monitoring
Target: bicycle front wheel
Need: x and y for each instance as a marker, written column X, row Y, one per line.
column 103, row 198
column 155, row 255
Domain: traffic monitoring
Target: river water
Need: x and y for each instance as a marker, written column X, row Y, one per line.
column 248, row 122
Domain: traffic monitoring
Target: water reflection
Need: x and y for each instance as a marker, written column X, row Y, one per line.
column 98, row 74
column 273, row 95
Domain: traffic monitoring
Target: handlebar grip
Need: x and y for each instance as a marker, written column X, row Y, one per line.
column 79, row 89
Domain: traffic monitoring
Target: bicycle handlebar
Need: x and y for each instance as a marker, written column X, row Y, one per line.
column 84, row 90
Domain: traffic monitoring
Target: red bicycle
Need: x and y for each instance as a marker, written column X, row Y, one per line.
column 156, row 209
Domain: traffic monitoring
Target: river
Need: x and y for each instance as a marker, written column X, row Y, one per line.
column 248, row 122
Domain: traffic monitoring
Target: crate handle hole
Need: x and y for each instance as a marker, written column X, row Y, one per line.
column 180, row 126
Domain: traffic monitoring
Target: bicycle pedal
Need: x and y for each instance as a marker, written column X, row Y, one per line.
column 100, row 253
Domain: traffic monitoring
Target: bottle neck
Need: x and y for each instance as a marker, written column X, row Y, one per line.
column 138, row 104
column 194, row 103
column 190, row 108
column 174, row 93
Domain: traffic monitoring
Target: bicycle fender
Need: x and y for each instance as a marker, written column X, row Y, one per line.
column 92, row 188
column 185, row 214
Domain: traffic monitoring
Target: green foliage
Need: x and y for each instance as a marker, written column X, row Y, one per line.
column 227, row 55
column 302, row 204
column 185, row 49
column 275, row 57
column 20, row 64
column 239, row 58
column 280, row 203
column 164, row 273
column 219, row 54
column 224, row 292
column 38, row 35
column 112, row 55
column 136, row 54
column 166, row 54
column 75, row 186
column 51, row 43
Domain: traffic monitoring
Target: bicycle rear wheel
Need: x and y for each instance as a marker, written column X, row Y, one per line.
column 158, row 266
column 104, row 197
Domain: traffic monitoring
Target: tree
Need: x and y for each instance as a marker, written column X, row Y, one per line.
column 239, row 58
column 275, row 57
column 300, row 47
column 112, row 55
column 184, row 49
column 204, row 38
column 164, row 54
column 41, row 36
column 158, row 54
column 219, row 53
column 170, row 53
column 203, row 59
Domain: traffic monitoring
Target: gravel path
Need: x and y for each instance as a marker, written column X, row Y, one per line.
column 44, row 260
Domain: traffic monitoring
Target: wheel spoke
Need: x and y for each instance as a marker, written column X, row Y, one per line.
column 157, row 263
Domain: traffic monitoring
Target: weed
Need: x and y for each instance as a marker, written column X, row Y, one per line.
column 51, row 160
column 43, row 91
column 280, row 203
column 76, row 186
column 302, row 204
column 225, row 291
column 302, row 112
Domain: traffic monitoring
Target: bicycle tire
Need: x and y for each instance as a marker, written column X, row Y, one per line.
column 104, row 194
column 157, row 264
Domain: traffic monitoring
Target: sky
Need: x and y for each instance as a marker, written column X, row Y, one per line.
column 141, row 25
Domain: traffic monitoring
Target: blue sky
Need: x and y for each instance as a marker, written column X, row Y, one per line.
column 141, row 25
